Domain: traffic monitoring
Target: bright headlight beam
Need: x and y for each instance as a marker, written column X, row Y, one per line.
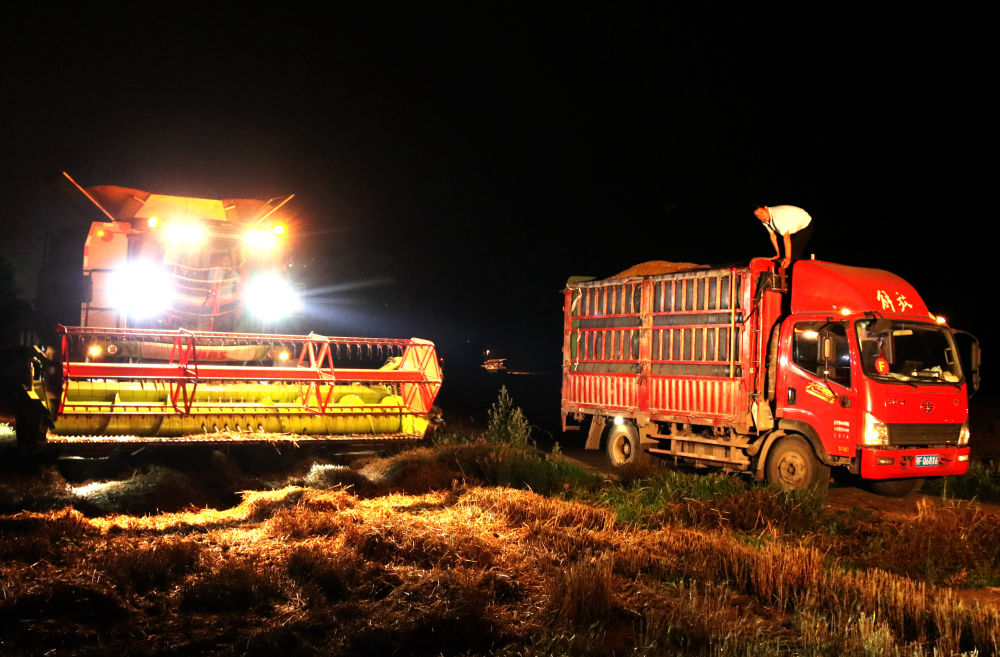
column 270, row 297
column 140, row 289
column 184, row 233
column 259, row 238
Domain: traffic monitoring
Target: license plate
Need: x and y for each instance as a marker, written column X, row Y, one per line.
column 926, row 460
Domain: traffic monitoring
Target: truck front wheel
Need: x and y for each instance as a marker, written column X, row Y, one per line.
column 622, row 446
column 792, row 464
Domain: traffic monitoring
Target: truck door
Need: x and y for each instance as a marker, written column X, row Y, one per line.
column 817, row 383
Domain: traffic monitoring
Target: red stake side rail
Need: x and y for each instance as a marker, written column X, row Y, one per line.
column 675, row 347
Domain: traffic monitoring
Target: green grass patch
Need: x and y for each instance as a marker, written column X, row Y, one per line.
column 981, row 482
column 714, row 500
column 528, row 468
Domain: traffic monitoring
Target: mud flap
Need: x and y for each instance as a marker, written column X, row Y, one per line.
column 762, row 417
column 758, row 473
column 596, row 431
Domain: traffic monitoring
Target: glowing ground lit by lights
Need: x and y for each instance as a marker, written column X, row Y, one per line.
column 97, row 488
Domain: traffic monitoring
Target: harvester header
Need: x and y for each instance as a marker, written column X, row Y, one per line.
column 117, row 385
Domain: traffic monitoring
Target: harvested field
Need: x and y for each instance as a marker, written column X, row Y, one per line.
column 425, row 553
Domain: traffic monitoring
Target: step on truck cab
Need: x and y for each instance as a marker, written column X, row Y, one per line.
column 733, row 368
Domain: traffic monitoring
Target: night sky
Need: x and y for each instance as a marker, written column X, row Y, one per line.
column 452, row 170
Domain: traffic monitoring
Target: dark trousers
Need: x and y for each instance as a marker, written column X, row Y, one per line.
column 799, row 241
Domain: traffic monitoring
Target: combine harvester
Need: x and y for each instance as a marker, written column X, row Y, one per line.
column 164, row 354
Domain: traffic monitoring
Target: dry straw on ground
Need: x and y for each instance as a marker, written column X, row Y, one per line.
column 440, row 567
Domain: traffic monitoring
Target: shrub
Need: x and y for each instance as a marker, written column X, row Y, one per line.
column 507, row 424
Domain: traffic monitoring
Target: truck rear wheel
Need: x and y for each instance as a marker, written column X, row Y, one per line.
column 896, row 487
column 622, row 446
column 792, row 464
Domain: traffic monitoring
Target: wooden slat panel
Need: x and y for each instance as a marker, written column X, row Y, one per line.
column 702, row 396
column 601, row 390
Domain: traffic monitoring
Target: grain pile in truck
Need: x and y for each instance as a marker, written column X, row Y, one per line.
column 732, row 368
column 166, row 349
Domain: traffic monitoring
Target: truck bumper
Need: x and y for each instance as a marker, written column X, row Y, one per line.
column 897, row 463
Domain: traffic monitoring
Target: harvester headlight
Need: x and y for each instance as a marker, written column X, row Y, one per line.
column 94, row 351
column 278, row 229
column 184, row 233
column 964, row 434
column 270, row 297
column 260, row 238
column 140, row 290
column 876, row 433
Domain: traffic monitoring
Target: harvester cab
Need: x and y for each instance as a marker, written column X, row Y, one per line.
column 157, row 261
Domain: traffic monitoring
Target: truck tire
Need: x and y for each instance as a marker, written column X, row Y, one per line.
column 896, row 487
column 791, row 464
column 622, row 446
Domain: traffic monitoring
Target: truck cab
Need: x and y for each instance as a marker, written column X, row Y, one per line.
column 870, row 376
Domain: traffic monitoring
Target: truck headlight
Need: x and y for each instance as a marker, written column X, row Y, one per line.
column 964, row 434
column 140, row 290
column 876, row 433
column 270, row 297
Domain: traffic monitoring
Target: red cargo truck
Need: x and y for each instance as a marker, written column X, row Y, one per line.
column 733, row 368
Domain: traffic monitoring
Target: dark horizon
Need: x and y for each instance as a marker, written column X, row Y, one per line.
column 449, row 179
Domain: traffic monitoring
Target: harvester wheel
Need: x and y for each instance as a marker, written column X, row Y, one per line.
column 896, row 487
column 31, row 425
column 622, row 446
column 791, row 464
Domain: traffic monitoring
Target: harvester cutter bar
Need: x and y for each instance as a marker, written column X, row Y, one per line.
column 176, row 372
column 214, row 438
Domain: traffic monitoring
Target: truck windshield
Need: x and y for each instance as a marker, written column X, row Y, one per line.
column 912, row 352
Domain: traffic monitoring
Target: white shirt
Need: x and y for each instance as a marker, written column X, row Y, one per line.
column 787, row 219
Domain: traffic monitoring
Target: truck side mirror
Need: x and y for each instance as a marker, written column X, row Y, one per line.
column 971, row 357
column 976, row 361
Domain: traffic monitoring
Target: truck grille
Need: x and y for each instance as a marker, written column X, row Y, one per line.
column 924, row 434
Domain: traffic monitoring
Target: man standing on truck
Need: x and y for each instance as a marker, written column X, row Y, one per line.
column 792, row 223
